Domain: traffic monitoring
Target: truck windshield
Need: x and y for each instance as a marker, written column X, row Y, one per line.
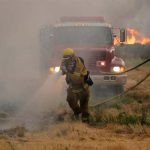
column 82, row 35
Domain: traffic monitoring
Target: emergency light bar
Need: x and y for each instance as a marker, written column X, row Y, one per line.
column 82, row 19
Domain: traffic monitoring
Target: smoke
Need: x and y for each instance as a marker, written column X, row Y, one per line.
column 20, row 23
column 48, row 96
column 46, row 99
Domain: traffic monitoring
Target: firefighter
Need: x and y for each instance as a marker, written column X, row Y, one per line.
column 78, row 80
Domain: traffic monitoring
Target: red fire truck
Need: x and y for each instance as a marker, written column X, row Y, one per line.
column 93, row 40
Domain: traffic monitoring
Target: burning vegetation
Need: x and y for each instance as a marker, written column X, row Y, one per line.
column 134, row 37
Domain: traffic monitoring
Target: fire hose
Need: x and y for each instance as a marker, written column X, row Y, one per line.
column 119, row 95
column 131, row 88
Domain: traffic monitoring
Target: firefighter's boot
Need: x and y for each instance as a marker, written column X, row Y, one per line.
column 77, row 113
column 85, row 118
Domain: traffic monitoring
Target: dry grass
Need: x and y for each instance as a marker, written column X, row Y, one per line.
column 135, row 76
column 78, row 136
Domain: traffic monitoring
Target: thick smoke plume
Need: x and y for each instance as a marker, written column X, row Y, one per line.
column 20, row 24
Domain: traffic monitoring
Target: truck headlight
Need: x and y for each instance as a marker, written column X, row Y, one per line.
column 54, row 69
column 57, row 69
column 118, row 69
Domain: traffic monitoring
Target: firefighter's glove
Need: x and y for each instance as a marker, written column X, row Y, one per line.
column 64, row 70
column 87, row 79
column 67, row 80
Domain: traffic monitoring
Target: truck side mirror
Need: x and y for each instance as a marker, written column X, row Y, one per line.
column 122, row 35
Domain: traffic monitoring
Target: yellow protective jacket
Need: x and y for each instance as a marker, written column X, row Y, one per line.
column 76, row 79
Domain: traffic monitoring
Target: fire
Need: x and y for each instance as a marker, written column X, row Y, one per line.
column 116, row 40
column 136, row 37
column 133, row 36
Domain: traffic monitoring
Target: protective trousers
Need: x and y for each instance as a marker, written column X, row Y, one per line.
column 79, row 103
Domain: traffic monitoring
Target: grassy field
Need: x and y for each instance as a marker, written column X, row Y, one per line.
column 122, row 125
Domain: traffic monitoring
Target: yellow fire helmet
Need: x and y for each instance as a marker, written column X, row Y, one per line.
column 68, row 52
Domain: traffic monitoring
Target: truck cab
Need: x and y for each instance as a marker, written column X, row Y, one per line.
column 93, row 40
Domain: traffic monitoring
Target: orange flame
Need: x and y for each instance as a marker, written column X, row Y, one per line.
column 136, row 37
column 133, row 36
column 116, row 40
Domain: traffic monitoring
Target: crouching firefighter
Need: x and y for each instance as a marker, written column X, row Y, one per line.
column 78, row 80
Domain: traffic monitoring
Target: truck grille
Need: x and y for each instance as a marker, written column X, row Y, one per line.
column 91, row 57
